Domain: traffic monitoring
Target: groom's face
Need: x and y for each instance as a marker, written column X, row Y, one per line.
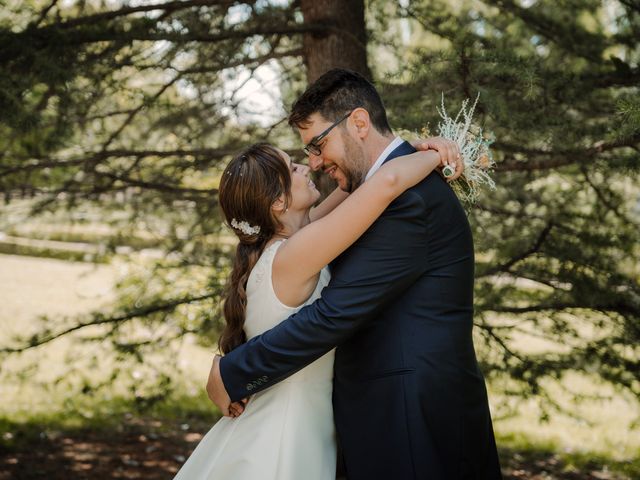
column 341, row 156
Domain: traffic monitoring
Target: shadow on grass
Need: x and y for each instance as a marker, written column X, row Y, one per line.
column 522, row 458
column 121, row 438
column 124, row 439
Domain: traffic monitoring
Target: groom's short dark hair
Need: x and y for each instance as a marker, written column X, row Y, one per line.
column 335, row 93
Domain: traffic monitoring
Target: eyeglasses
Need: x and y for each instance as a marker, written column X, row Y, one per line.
column 312, row 147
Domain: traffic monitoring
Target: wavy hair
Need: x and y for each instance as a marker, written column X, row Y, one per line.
column 250, row 185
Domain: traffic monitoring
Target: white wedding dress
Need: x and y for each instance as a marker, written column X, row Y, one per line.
column 286, row 431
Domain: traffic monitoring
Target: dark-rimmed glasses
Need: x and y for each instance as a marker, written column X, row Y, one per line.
column 312, row 147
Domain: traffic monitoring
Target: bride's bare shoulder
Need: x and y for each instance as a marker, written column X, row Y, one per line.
column 291, row 283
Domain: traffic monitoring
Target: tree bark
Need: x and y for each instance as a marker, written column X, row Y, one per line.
column 344, row 45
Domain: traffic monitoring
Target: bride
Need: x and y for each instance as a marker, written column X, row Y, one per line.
column 286, row 432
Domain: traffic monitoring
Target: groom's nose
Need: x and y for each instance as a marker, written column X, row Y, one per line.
column 315, row 162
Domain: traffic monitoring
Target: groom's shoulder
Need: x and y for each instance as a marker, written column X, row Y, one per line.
column 434, row 185
column 432, row 196
column 406, row 211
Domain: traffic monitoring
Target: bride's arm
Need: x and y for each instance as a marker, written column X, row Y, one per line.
column 314, row 246
column 334, row 199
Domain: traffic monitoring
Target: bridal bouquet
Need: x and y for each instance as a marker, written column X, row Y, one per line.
column 474, row 150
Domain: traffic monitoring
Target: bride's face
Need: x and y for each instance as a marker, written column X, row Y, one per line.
column 304, row 193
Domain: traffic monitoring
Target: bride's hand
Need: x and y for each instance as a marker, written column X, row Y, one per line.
column 237, row 408
column 448, row 150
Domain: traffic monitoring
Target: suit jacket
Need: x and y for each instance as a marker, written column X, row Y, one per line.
column 409, row 399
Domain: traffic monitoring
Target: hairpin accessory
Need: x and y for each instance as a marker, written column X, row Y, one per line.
column 245, row 228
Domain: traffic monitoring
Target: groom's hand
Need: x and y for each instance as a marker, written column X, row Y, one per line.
column 448, row 150
column 215, row 388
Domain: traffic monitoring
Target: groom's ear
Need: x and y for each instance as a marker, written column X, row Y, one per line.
column 361, row 122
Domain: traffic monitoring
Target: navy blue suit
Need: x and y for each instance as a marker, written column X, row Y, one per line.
column 409, row 399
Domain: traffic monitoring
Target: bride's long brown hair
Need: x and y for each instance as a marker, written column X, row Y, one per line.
column 250, row 185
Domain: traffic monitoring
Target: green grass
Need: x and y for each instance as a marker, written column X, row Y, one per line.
column 581, row 461
column 85, row 413
column 8, row 248
column 67, row 234
column 589, row 415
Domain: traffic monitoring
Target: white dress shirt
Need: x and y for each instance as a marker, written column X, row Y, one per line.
column 397, row 141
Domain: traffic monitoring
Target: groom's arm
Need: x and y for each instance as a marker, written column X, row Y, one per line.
column 382, row 264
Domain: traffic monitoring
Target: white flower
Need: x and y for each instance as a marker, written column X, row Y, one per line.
column 245, row 228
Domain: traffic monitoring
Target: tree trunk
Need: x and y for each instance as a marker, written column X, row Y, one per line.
column 343, row 45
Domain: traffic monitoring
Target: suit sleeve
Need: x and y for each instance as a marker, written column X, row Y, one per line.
column 385, row 261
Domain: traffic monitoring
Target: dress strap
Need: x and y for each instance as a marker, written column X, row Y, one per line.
column 265, row 262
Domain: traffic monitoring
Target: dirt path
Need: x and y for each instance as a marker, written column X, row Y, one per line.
column 139, row 450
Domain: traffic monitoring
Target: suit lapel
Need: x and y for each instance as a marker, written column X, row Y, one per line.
column 405, row 148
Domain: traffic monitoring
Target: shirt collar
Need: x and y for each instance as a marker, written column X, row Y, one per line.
column 397, row 141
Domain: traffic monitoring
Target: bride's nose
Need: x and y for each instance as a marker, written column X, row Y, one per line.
column 306, row 169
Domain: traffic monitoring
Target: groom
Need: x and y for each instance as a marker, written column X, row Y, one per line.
column 409, row 399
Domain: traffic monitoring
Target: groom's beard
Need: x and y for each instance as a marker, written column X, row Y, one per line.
column 355, row 163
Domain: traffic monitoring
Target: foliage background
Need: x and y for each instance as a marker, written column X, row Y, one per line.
column 118, row 117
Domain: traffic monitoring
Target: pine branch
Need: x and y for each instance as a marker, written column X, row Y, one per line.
column 505, row 267
column 166, row 7
column 209, row 38
column 558, row 158
column 138, row 109
column 620, row 308
column 41, row 163
column 44, row 13
column 148, row 185
column 576, row 40
column 616, row 78
column 89, row 36
column 488, row 329
column 101, row 116
column 632, row 4
column 508, row 213
column 271, row 55
column 98, row 319
column 50, row 36
column 602, row 198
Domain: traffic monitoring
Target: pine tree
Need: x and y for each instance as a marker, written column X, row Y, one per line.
column 124, row 110
column 132, row 112
column 557, row 243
